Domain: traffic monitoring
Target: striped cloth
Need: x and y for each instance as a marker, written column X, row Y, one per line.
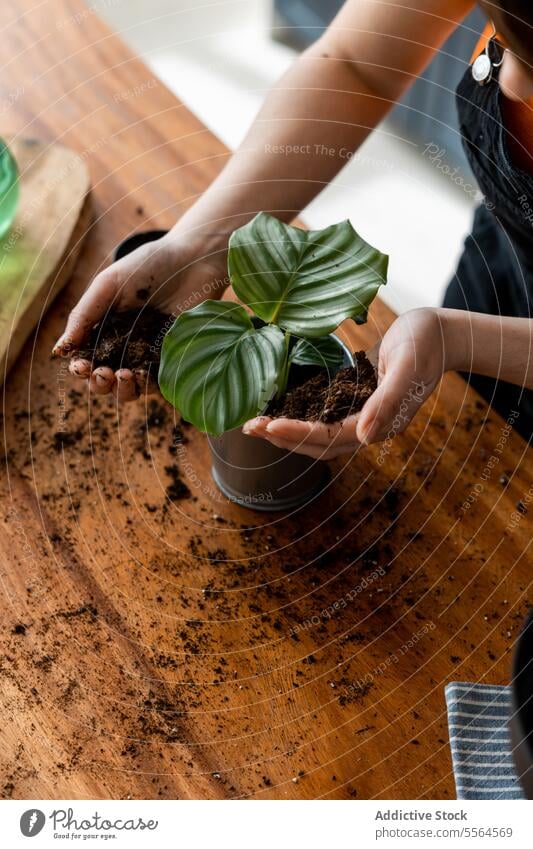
column 481, row 748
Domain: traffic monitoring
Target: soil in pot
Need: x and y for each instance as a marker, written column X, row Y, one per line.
column 329, row 399
column 130, row 339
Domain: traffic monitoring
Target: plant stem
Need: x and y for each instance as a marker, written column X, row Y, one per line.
column 284, row 371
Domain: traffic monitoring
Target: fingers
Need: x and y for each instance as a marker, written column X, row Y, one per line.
column 102, row 381
column 89, row 310
column 125, row 388
column 257, row 426
column 342, row 433
column 125, row 385
column 314, row 439
column 298, row 448
column 80, row 368
column 317, row 452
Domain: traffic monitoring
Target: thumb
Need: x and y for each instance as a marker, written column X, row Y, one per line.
column 93, row 304
column 392, row 406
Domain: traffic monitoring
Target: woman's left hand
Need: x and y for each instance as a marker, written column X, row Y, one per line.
column 411, row 361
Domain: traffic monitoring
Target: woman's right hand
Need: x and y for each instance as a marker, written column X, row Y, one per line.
column 411, row 359
column 171, row 274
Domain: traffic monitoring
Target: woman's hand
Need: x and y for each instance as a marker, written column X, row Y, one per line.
column 411, row 360
column 171, row 274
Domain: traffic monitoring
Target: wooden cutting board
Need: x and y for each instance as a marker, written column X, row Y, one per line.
column 38, row 254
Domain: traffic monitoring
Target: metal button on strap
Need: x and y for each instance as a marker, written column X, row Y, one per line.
column 482, row 69
column 483, row 66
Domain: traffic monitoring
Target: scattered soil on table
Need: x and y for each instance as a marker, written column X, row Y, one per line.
column 129, row 339
column 150, row 668
column 150, row 431
column 65, row 439
column 324, row 400
column 177, row 490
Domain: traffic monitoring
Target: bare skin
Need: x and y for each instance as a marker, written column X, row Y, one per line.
column 333, row 96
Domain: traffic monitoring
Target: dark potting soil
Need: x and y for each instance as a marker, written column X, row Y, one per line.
column 129, row 339
column 329, row 400
column 177, row 490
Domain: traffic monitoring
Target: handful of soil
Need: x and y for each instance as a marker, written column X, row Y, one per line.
column 129, row 339
column 324, row 400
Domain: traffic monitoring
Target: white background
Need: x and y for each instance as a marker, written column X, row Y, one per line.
column 273, row 825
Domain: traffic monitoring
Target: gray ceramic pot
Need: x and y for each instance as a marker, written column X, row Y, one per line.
column 257, row 475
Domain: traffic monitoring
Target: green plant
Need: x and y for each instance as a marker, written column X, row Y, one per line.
column 220, row 367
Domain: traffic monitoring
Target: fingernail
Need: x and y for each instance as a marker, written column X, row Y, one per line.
column 247, row 428
column 101, row 378
column 60, row 349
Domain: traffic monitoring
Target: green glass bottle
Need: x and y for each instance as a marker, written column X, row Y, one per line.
column 9, row 188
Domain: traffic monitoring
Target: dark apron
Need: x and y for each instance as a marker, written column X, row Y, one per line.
column 495, row 272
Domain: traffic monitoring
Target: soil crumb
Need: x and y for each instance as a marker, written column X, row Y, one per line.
column 66, row 439
column 177, row 490
column 129, row 339
column 324, row 400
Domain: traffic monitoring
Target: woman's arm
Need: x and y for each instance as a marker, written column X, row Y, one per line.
column 492, row 345
column 326, row 104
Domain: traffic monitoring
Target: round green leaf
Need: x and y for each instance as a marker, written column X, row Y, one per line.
column 325, row 352
column 306, row 281
column 216, row 368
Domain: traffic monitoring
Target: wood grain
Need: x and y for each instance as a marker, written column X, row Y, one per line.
column 38, row 254
column 192, row 649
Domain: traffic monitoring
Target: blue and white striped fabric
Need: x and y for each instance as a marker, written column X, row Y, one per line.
column 481, row 748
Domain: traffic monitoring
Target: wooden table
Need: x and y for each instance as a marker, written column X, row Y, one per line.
column 194, row 649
